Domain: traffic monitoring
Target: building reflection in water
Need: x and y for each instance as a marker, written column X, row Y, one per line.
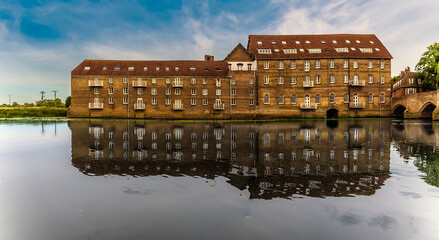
column 283, row 159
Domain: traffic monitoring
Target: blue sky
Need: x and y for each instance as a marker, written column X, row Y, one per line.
column 42, row 41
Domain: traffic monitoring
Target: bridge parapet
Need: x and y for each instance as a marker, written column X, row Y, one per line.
column 417, row 105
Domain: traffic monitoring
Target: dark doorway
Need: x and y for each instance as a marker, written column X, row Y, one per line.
column 332, row 113
column 427, row 112
column 399, row 111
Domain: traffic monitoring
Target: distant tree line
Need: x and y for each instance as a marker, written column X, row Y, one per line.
column 43, row 103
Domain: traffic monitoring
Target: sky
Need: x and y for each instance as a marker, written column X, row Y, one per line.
column 41, row 42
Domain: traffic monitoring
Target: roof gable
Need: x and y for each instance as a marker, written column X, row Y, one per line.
column 239, row 54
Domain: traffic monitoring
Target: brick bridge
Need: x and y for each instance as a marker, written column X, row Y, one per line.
column 418, row 105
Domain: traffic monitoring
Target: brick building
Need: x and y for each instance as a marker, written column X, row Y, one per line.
column 276, row 76
column 407, row 83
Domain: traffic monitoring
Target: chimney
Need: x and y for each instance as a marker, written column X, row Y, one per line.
column 208, row 58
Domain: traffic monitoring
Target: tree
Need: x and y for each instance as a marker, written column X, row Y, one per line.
column 428, row 65
column 394, row 79
column 68, row 101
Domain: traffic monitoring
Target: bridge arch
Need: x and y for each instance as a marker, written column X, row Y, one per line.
column 398, row 111
column 426, row 110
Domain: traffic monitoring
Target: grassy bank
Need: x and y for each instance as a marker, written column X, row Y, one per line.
column 28, row 112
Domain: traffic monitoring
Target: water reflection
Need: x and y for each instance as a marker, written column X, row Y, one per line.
column 284, row 159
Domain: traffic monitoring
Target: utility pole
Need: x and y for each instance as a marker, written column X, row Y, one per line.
column 42, row 94
column 54, row 93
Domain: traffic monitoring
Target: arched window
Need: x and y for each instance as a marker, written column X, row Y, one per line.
column 307, row 101
column 382, row 98
column 370, row 98
column 266, row 99
column 346, row 98
column 356, row 99
column 331, row 98
column 280, row 100
column 293, row 99
column 318, row 99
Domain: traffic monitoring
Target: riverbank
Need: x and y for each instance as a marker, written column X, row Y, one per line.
column 32, row 112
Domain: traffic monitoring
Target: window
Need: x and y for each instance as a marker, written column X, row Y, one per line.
column 177, row 91
column 193, row 101
column 154, row 101
column 293, row 99
column 266, row 80
column 249, row 66
column 125, row 100
column 266, row 99
column 233, row 92
column 331, row 98
column 382, row 98
column 318, row 99
column 250, row 81
column 205, row 101
column 218, row 92
column 365, row 50
column 370, row 65
column 307, row 81
column 139, row 91
column 193, row 91
column 168, row 101
column 125, row 80
column 331, row 79
column 306, row 66
column 110, row 100
column 382, row 64
column 96, row 90
column 204, row 80
column 251, row 102
column 264, row 51
column 355, row 79
column 154, row 80
column 314, row 50
column 382, row 79
column 345, row 64
column 293, row 65
column 167, row 91
column 370, row 78
column 290, row 50
column 218, row 82
column 125, row 90
column 153, row 91
column 130, row 68
column 233, row 101
column 331, row 63
column 280, row 99
column 307, row 101
column 193, row 80
column 281, row 65
column 110, row 80
column 355, row 64
column 346, row 79
column 370, row 98
column 411, row 80
column 232, row 81
column 317, row 64
column 168, row 81
column 346, row 98
column 251, row 92
column 281, row 80
column 318, row 79
column 266, row 65
column 204, row 92
column 293, row 80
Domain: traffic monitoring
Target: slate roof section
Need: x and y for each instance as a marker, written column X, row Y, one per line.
column 153, row 68
column 324, row 42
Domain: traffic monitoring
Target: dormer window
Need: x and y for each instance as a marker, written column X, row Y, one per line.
column 315, row 50
column 116, row 68
column 284, row 42
column 130, row 68
column 366, row 50
column 264, row 51
column 289, row 51
column 87, row 68
column 342, row 50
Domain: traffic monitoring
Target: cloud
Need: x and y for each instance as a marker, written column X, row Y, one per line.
column 3, row 31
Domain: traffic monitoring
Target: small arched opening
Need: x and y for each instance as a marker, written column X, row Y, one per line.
column 398, row 112
column 427, row 110
column 332, row 113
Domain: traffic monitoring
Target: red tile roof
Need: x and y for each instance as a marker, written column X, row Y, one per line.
column 276, row 43
column 153, row 68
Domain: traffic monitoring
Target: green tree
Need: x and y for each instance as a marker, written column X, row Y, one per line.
column 394, row 79
column 15, row 104
column 428, row 65
column 68, row 101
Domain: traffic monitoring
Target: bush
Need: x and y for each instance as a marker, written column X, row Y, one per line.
column 22, row 112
